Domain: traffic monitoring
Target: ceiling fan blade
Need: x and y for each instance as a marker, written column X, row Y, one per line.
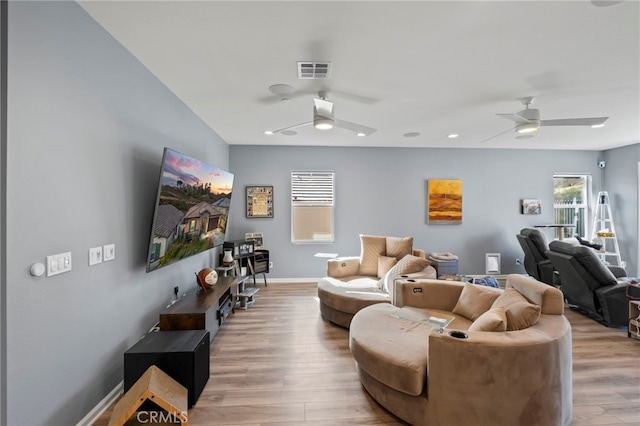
column 323, row 107
column 605, row 3
column 514, row 117
column 354, row 97
column 357, row 128
column 274, row 99
column 295, row 126
column 495, row 136
column 592, row 121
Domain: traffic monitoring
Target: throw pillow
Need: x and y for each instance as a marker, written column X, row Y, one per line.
column 385, row 263
column 371, row 248
column 520, row 312
column 474, row 301
column 495, row 319
column 407, row 265
column 399, row 247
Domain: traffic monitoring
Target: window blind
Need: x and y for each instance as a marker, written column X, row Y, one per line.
column 312, row 206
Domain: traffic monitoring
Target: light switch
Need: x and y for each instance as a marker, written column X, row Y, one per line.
column 58, row 263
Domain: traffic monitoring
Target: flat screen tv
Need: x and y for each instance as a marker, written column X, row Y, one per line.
column 191, row 210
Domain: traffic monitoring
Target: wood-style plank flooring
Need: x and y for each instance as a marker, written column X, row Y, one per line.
column 280, row 363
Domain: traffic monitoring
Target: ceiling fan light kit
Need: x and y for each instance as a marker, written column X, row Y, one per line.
column 322, row 123
column 528, row 127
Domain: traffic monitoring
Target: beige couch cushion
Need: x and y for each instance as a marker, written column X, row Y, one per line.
column 399, row 247
column 371, row 248
column 350, row 296
column 474, row 301
column 393, row 351
column 520, row 313
column 495, row 319
column 385, row 263
column 343, row 267
column 407, row 265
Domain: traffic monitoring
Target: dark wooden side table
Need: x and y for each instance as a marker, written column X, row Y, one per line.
column 182, row 354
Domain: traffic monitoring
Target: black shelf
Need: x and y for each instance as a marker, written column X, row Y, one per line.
column 253, row 261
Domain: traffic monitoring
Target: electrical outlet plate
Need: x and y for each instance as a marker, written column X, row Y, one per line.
column 95, row 256
column 109, row 252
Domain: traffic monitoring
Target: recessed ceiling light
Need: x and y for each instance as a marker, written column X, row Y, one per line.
column 452, row 135
column 411, row 134
column 361, row 135
column 268, row 132
column 597, row 126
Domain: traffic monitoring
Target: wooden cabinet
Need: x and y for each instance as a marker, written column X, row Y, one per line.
column 197, row 310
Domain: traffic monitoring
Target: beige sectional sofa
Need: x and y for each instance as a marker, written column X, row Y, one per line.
column 513, row 365
column 355, row 282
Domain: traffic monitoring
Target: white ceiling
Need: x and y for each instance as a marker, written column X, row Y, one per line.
column 432, row 67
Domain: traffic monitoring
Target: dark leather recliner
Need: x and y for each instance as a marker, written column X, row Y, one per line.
column 589, row 285
column 536, row 262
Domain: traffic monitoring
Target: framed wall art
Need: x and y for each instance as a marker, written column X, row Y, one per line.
column 531, row 206
column 444, row 202
column 259, row 202
column 256, row 237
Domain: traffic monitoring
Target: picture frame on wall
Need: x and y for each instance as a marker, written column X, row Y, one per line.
column 444, row 202
column 259, row 202
column 531, row 206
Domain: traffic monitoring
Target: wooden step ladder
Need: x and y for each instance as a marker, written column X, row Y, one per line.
column 604, row 231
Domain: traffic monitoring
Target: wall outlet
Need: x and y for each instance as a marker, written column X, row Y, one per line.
column 108, row 252
column 518, row 262
column 95, row 255
column 270, row 265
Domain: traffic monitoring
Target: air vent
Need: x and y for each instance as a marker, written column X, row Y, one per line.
column 314, row 70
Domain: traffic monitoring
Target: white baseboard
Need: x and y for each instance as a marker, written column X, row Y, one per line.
column 102, row 406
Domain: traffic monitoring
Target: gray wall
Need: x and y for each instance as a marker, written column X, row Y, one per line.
column 621, row 182
column 87, row 124
column 3, row 206
column 381, row 191
column 86, row 127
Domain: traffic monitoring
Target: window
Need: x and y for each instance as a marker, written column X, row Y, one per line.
column 312, row 205
column 571, row 200
column 155, row 251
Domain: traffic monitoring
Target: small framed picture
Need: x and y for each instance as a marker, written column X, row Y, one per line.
column 256, row 237
column 259, row 202
column 531, row 206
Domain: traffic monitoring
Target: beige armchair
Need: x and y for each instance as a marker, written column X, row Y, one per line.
column 355, row 282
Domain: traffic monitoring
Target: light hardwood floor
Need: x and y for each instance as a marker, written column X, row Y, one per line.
column 279, row 363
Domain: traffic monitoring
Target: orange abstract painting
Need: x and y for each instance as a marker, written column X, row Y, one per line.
column 444, row 201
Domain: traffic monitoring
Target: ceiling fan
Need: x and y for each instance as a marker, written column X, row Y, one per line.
column 323, row 119
column 528, row 120
column 284, row 92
